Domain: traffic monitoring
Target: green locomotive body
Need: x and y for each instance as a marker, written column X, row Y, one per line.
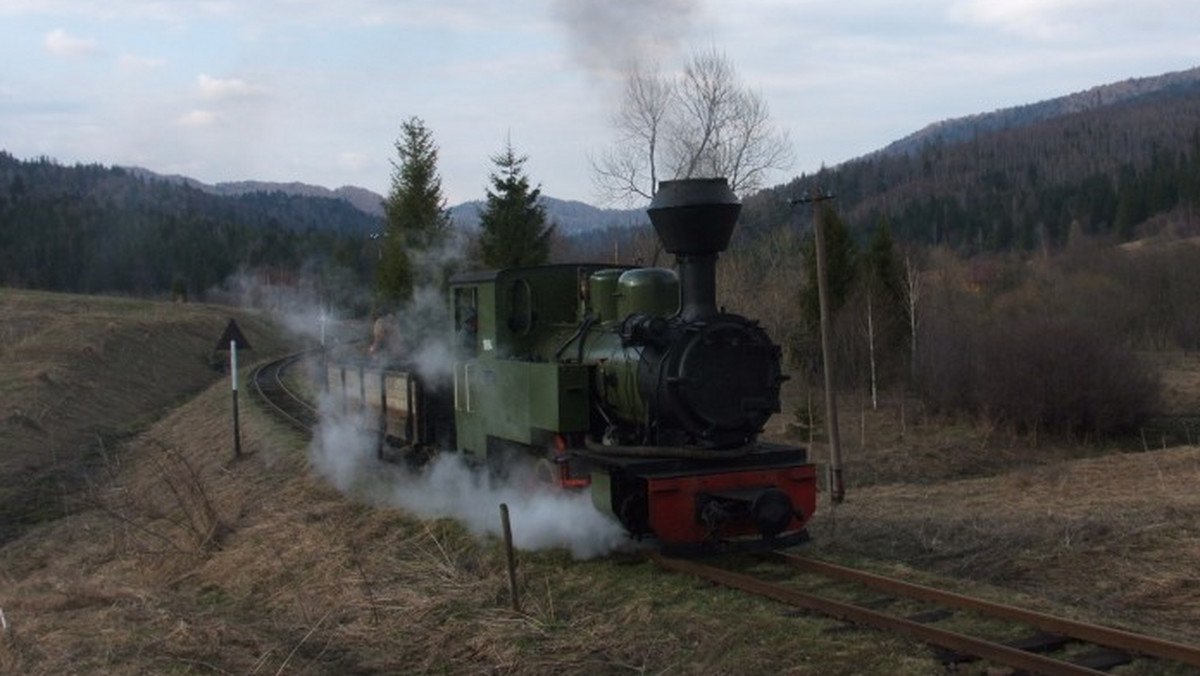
column 630, row 381
column 545, row 341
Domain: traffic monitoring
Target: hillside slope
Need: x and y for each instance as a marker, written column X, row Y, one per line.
column 83, row 373
column 95, row 229
column 1117, row 162
column 961, row 129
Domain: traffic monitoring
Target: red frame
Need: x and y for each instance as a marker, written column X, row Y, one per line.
column 672, row 501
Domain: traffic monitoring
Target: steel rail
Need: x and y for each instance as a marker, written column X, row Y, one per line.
column 298, row 401
column 996, row 652
column 269, row 385
column 1091, row 633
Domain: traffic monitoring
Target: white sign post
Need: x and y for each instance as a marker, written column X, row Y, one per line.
column 233, row 374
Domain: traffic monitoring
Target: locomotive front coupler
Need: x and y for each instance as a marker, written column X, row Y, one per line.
column 768, row 508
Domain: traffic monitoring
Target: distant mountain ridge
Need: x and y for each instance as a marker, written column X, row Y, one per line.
column 1113, row 163
column 360, row 198
column 572, row 217
column 956, row 130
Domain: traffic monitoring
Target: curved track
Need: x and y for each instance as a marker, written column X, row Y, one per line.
column 1122, row 647
column 269, row 383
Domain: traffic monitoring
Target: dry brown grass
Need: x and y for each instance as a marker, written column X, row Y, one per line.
column 305, row 582
column 177, row 558
column 1089, row 529
column 1118, row 535
column 898, row 442
column 1112, row 533
column 84, row 371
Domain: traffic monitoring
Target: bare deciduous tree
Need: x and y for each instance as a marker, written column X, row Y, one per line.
column 704, row 123
column 912, row 299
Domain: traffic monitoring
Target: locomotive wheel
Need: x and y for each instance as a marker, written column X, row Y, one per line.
column 633, row 513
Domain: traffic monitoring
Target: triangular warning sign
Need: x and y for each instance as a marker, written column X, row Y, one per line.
column 233, row 333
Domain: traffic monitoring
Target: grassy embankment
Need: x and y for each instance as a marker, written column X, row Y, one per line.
column 151, row 550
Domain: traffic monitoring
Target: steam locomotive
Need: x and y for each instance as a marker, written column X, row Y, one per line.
column 625, row 381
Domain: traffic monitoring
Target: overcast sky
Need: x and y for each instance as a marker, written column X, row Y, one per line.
column 316, row 90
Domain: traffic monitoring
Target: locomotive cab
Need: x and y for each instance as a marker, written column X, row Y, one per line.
column 514, row 386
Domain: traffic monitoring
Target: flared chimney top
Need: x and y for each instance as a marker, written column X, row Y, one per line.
column 694, row 215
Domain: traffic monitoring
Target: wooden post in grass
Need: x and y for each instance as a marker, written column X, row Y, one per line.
column 383, row 414
column 324, row 354
column 512, row 558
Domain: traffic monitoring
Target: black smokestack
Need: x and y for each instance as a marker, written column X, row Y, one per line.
column 694, row 219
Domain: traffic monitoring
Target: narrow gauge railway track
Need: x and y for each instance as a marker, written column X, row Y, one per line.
column 269, row 384
column 1119, row 647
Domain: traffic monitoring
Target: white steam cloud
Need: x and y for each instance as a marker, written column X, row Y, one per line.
column 344, row 452
column 300, row 309
column 423, row 332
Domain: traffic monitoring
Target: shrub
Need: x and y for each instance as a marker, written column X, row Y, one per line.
column 1061, row 376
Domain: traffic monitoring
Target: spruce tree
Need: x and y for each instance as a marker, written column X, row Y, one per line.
column 881, row 273
column 841, row 267
column 885, row 321
column 417, row 219
column 512, row 227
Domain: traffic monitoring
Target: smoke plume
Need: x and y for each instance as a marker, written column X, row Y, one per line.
column 608, row 35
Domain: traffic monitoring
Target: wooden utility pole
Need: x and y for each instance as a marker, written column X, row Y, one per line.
column 837, row 489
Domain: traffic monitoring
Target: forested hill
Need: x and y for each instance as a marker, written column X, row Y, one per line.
column 89, row 228
column 571, row 217
column 366, row 200
column 967, row 128
column 1118, row 161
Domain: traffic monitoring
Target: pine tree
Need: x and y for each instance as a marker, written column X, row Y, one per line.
column 417, row 219
column 881, row 274
column 512, row 227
